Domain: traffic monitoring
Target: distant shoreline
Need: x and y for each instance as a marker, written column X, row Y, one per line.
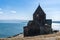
column 55, row 21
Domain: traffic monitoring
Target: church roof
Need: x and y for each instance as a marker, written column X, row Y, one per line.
column 39, row 10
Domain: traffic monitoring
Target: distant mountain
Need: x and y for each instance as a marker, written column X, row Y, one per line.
column 12, row 21
column 56, row 21
column 19, row 21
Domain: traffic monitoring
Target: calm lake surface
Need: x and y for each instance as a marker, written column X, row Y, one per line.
column 10, row 29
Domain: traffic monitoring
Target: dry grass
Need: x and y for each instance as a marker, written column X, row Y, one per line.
column 55, row 36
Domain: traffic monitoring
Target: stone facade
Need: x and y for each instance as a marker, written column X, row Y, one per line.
column 39, row 25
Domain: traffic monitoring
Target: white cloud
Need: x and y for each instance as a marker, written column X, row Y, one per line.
column 0, row 8
column 50, row 1
column 54, row 15
column 13, row 11
column 1, row 12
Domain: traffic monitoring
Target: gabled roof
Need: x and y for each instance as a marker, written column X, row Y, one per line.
column 39, row 10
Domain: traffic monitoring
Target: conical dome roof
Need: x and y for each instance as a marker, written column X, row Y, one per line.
column 39, row 11
column 39, row 14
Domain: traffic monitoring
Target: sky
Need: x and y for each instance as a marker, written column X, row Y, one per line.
column 24, row 9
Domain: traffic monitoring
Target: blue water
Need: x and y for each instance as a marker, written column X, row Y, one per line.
column 10, row 29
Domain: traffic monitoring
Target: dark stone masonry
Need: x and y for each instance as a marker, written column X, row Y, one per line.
column 39, row 25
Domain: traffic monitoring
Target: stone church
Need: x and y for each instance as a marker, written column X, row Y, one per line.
column 39, row 25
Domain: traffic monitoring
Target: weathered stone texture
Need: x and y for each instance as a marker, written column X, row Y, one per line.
column 39, row 25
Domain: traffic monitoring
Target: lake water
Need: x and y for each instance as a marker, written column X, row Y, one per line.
column 10, row 29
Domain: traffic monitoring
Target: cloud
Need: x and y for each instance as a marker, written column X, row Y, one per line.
column 1, row 12
column 50, row 1
column 13, row 11
column 54, row 15
column 0, row 8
